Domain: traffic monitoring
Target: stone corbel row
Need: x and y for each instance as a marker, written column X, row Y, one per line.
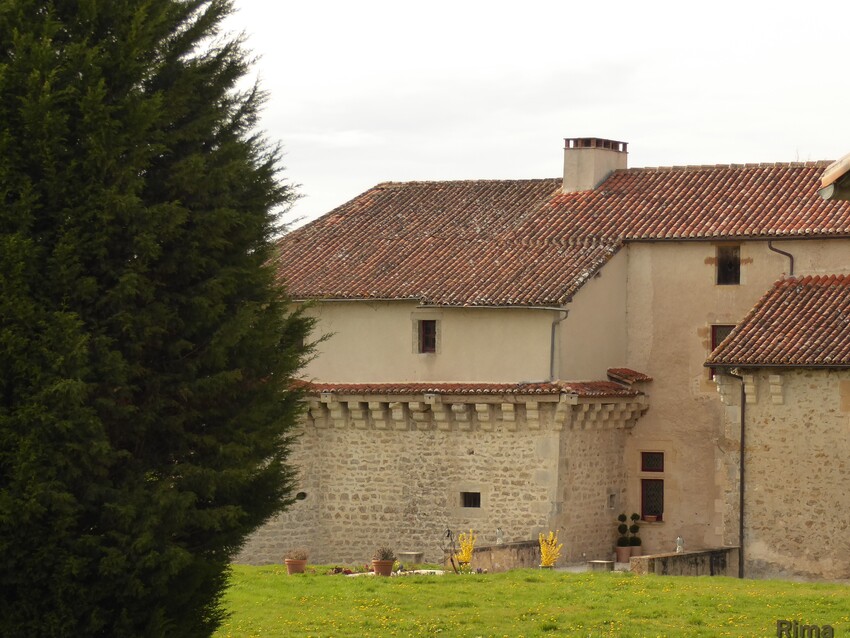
column 330, row 410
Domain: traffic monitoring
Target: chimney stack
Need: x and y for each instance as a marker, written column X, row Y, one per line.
column 589, row 160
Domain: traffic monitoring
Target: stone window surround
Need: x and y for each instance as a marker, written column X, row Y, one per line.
column 426, row 315
column 455, row 500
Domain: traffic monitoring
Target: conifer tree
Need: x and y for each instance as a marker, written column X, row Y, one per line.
column 147, row 352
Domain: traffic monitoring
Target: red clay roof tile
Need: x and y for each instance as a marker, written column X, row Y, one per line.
column 799, row 322
column 627, row 375
column 587, row 389
column 523, row 242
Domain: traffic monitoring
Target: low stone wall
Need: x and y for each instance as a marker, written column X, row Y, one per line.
column 718, row 561
column 501, row 558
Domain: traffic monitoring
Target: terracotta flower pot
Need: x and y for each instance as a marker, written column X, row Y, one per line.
column 637, row 550
column 382, row 567
column 295, row 566
column 624, row 554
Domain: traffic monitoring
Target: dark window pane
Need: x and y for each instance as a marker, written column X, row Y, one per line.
column 428, row 335
column 652, row 461
column 652, row 497
column 470, row 499
column 728, row 265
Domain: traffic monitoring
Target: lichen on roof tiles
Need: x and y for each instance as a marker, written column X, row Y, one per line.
column 524, row 242
column 800, row 321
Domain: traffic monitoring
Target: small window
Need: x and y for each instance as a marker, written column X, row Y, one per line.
column 652, row 499
column 427, row 335
column 652, row 461
column 718, row 334
column 652, row 486
column 728, row 265
column 470, row 499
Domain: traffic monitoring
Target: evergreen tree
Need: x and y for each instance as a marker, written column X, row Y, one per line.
column 147, row 353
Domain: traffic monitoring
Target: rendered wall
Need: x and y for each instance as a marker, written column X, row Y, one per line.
column 376, row 342
column 672, row 302
column 797, row 469
column 593, row 336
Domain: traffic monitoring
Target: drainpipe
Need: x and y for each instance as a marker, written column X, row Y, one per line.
column 782, row 252
column 555, row 323
column 741, row 475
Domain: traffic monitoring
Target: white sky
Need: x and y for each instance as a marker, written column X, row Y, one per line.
column 367, row 91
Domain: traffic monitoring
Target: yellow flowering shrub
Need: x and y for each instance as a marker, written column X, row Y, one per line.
column 550, row 550
column 467, row 544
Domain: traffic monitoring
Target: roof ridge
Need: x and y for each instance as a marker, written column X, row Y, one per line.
column 462, row 182
column 749, row 165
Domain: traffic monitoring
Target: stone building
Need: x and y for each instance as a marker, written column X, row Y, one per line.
column 784, row 373
column 525, row 355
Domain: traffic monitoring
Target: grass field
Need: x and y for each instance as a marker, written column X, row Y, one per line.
column 264, row 601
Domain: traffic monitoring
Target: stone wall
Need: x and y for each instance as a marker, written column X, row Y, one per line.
column 721, row 561
column 592, row 492
column 392, row 472
column 501, row 558
column 797, row 458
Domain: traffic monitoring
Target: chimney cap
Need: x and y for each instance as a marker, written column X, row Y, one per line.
column 595, row 142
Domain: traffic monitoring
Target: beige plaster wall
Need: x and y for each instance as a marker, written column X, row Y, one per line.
column 593, row 336
column 376, row 342
column 797, row 469
column 672, row 301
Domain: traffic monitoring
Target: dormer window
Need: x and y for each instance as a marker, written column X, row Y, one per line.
column 728, row 265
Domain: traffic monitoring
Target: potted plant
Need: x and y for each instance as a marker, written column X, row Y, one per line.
column 550, row 550
column 624, row 548
column 382, row 561
column 296, row 560
column 634, row 539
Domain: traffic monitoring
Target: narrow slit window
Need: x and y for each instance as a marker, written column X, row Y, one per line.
column 728, row 265
column 427, row 335
column 470, row 499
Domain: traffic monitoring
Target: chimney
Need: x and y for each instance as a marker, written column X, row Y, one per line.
column 589, row 160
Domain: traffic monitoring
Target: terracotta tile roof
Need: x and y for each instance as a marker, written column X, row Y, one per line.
column 702, row 202
column 587, row 389
column 523, row 242
column 627, row 375
column 447, row 243
column 799, row 322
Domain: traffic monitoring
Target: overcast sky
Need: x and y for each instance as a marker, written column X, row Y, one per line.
column 363, row 92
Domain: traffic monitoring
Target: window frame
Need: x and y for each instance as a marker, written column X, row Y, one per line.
column 650, row 477
column 426, row 336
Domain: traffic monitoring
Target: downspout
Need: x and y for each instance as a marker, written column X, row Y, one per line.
column 555, row 323
column 781, row 252
column 741, row 475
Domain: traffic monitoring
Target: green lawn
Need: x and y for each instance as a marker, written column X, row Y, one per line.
column 264, row 601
